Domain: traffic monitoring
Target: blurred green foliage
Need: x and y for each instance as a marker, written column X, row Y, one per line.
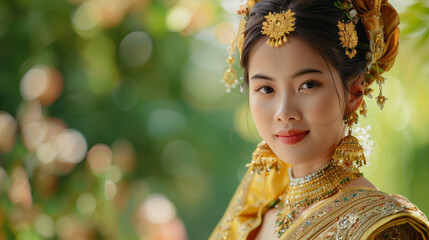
column 149, row 72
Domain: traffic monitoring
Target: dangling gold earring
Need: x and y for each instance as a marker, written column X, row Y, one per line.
column 349, row 153
column 264, row 160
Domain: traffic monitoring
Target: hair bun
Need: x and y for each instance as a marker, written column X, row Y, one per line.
column 380, row 15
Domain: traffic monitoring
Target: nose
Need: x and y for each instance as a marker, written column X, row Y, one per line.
column 287, row 109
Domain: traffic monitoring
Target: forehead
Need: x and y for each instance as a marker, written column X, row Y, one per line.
column 292, row 56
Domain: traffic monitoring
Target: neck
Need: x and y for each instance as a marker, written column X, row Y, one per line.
column 304, row 169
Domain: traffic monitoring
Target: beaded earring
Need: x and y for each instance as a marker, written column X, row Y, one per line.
column 264, row 160
column 349, row 153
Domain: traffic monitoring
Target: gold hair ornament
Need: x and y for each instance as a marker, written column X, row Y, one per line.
column 347, row 31
column 277, row 26
column 383, row 35
column 348, row 37
column 230, row 76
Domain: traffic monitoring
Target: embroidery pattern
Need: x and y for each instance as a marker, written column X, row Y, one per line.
column 351, row 214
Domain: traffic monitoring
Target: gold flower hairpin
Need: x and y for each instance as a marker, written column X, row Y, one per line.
column 348, row 37
column 347, row 31
column 277, row 26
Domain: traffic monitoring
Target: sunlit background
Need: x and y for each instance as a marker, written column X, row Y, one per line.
column 114, row 123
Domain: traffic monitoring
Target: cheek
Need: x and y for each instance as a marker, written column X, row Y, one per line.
column 324, row 109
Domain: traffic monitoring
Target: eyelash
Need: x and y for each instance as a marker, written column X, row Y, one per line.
column 265, row 87
column 312, row 83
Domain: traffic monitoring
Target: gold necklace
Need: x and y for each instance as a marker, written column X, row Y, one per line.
column 317, row 186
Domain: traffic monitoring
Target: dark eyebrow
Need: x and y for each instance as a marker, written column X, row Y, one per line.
column 261, row 76
column 306, row 71
column 298, row 74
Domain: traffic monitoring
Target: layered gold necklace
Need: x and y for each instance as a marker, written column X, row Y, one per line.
column 302, row 192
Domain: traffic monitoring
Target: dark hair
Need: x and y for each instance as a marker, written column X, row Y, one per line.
column 316, row 23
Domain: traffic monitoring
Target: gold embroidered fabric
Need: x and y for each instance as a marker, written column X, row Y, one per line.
column 354, row 213
column 357, row 213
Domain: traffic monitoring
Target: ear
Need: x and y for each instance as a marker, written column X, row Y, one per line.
column 355, row 97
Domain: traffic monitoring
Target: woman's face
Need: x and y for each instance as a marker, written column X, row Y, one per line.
column 297, row 108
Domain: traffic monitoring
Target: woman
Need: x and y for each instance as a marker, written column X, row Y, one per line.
column 308, row 64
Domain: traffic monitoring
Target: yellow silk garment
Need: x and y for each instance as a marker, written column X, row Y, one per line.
column 353, row 213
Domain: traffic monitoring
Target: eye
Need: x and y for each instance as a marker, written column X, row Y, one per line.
column 310, row 84
column 265, row 90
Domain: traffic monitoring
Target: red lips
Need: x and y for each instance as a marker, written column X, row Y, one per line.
column 291, row 136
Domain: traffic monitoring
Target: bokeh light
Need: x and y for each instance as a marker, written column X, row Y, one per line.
column 34, row 134
column 99, row 158
column 71, row 146
column 29, row 112
column 70, row 227
column 86, row 204
column 20, row 189
column 86, row 17
column 178, row 18
column 114, row 174
column 157, row 209
column 45, row 226
column 157, row 219
column 8, row 129
column 224, row 32
column 110, row 189
column 42, row 83
column 135, row 49
column 64, row 227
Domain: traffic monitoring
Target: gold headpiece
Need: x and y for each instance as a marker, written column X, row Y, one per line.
column 276, row 27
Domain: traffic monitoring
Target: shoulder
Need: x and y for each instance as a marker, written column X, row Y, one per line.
column 386, row 216
column 359, row 212
column 361, row 182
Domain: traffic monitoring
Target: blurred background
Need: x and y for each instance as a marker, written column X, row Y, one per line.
column 114, row 123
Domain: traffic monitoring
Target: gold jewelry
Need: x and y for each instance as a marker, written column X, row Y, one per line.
column 276, row 27
column 347, row 31
column 348, row 37
column 302, row 192
column 264, row 159
column 230, row 76
column 349, row 153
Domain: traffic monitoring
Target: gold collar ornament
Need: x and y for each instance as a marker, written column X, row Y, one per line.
column 305, row 191
column 277, row 26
